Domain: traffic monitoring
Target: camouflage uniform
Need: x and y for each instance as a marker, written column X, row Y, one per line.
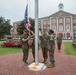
column 59, row 42
column 33, row 48
column 45, row 46
column 52, row 48
column 25, row 47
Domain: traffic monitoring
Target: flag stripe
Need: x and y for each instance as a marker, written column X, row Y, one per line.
column 26, row 22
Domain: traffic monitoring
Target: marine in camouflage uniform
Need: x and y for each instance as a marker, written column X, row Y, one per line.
column 33, row 49
column 52, row 49
column 59, row 42
column 25, row 47
column 33, row 45
column 45, row 45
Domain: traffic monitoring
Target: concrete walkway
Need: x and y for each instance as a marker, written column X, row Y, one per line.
column 12, row 64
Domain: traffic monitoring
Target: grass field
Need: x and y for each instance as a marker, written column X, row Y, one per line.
column 9, row 50
column 69, row 49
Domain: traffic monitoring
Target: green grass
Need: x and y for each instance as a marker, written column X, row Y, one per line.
column 9, row 50
column 69, row 48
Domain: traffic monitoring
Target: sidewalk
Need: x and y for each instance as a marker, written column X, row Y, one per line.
column 12, row 64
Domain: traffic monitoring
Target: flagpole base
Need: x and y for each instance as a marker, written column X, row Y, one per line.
column 37, row 67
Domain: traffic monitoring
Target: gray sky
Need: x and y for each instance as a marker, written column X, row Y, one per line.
column 14, row 9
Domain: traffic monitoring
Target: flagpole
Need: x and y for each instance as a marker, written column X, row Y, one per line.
column 36, row 66
column 36, row 31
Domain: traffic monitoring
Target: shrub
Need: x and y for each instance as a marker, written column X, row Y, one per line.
column 13, row 44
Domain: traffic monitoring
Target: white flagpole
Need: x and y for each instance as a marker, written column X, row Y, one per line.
column 36, row 66
column 36, row 31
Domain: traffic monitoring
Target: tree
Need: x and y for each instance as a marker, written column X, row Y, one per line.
column 4, row 26
column 21, row 26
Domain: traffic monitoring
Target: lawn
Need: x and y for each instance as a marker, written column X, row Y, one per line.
column 69, row 49
column 9, row 50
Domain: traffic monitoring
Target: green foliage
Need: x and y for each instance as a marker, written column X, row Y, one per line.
column 4, row 26
column 21, row 26
column 69, row 48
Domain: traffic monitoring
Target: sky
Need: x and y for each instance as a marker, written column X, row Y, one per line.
column 14, row 9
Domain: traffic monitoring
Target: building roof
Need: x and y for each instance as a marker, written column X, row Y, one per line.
column 60, row 11
column 64, row 12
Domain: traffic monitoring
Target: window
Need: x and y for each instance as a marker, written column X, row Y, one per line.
column 48, row 22
column 54, row 21
column 39, row 22
column 60, row 27
column 74, row 27
column 67, row 20
column 60, row 20
column 44, row 22
column 74, row 21
column 68, row 27
column 54, row 27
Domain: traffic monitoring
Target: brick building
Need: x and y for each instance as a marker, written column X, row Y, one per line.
column 61, row 22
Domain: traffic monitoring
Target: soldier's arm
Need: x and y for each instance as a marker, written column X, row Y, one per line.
column 32, row 34
column 54, row 39
column 24, row 40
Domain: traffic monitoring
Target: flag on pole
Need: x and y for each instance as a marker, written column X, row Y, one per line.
column 26, row 19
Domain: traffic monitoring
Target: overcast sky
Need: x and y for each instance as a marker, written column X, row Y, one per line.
column 14, row 9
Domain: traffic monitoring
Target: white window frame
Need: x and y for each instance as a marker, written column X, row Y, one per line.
column 60, row 27
column 54, row 27
column 68, row 27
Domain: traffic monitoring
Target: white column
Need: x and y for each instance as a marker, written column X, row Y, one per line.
column 50, row 23
column 57, row 24
column 64, row 28
column 42, row 25
column 64, row 24
column 72, row 27
column 57, row 27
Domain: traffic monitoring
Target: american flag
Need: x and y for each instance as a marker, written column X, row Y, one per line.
column 26, row 20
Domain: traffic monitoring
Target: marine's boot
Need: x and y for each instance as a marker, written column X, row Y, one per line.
column 51, row 66
column 45, row 61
